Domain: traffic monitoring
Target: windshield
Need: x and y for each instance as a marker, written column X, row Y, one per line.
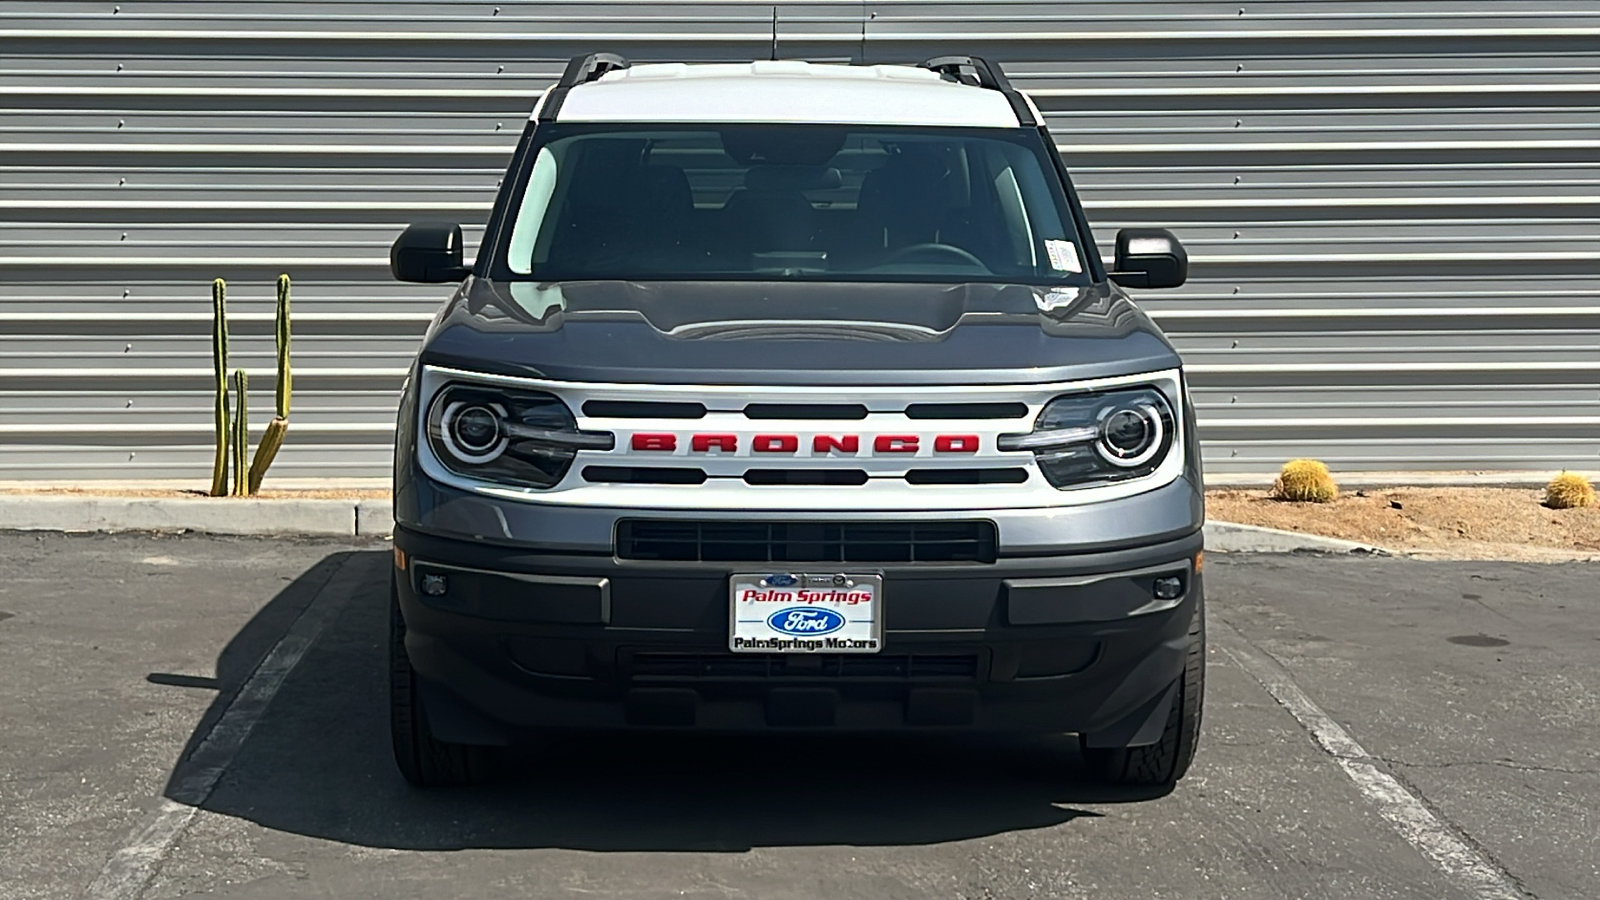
column 773, row 201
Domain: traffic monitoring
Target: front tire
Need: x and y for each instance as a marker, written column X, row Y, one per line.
column 424, row 760
column 1162, row 764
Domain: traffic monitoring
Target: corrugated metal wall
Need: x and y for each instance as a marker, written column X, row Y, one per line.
column 1393, row 208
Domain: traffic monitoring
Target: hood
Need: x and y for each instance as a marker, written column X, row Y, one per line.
column 795, row 333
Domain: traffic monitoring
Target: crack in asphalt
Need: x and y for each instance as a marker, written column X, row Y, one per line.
column 1501, row 763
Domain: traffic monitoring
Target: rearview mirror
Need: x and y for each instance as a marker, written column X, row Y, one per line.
column 428, row 253
column 1149, row 258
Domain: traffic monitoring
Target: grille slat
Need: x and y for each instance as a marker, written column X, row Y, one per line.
column 1010, row 475
column 805, row 411
column 643, row 475
column 966, row 410
column 799, row 542
column 849, row 477
column 643, row 409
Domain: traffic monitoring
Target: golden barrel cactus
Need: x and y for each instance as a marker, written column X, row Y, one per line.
column 1305, row 480
column 1568, row 490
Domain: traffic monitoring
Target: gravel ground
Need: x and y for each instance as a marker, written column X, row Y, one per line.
column 1459, row 523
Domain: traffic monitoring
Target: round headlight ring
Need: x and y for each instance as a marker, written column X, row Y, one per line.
column 471, row 430
column 1116, row 427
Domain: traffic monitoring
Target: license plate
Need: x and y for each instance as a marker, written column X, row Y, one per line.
column 794, row 612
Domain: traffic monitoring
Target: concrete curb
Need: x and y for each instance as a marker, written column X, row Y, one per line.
column 1229, row 537
column 375, row 518
column 211, row 515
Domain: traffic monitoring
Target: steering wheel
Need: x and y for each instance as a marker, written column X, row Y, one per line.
column 950, row 251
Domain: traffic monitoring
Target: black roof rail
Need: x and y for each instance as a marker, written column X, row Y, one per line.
column 979, row 72
column 580, row 70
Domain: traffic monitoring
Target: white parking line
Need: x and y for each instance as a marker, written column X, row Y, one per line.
column 131, row 868
column 1404, row 810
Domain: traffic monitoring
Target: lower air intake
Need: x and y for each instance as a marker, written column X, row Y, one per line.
column 806, row 542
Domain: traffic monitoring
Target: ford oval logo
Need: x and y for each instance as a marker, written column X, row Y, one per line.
column 782, row 579
column 803, row 621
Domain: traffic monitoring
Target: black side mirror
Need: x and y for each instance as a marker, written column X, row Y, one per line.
column 428, row 253
column 1150, row 258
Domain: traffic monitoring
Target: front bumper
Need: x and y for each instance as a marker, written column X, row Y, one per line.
column 526, row 640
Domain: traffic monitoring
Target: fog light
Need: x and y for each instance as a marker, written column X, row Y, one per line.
column 435, row 585
column 1168, row 588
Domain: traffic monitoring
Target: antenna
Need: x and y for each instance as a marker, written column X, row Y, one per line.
column 774, row 32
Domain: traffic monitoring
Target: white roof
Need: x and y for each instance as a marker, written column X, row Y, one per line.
column 784, row 91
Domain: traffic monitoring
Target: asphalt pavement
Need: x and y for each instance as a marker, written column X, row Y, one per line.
column 199, row 716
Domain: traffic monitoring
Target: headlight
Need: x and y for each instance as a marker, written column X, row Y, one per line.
column 1084, row 439
column 515, row 437
column 471, row 431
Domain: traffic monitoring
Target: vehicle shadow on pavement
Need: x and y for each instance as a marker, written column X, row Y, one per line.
column 318, row 763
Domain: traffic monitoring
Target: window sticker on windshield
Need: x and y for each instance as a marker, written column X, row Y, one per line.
column 1063, row 256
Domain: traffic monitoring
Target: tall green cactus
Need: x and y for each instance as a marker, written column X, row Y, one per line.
column 285, row 379
column 241, row 433
column 219, row 361
column 233, row 435
column 267, row 450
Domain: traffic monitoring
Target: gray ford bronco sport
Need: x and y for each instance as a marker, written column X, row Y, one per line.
column 785, row 396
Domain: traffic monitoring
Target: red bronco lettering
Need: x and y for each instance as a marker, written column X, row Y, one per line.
column 821, row 444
